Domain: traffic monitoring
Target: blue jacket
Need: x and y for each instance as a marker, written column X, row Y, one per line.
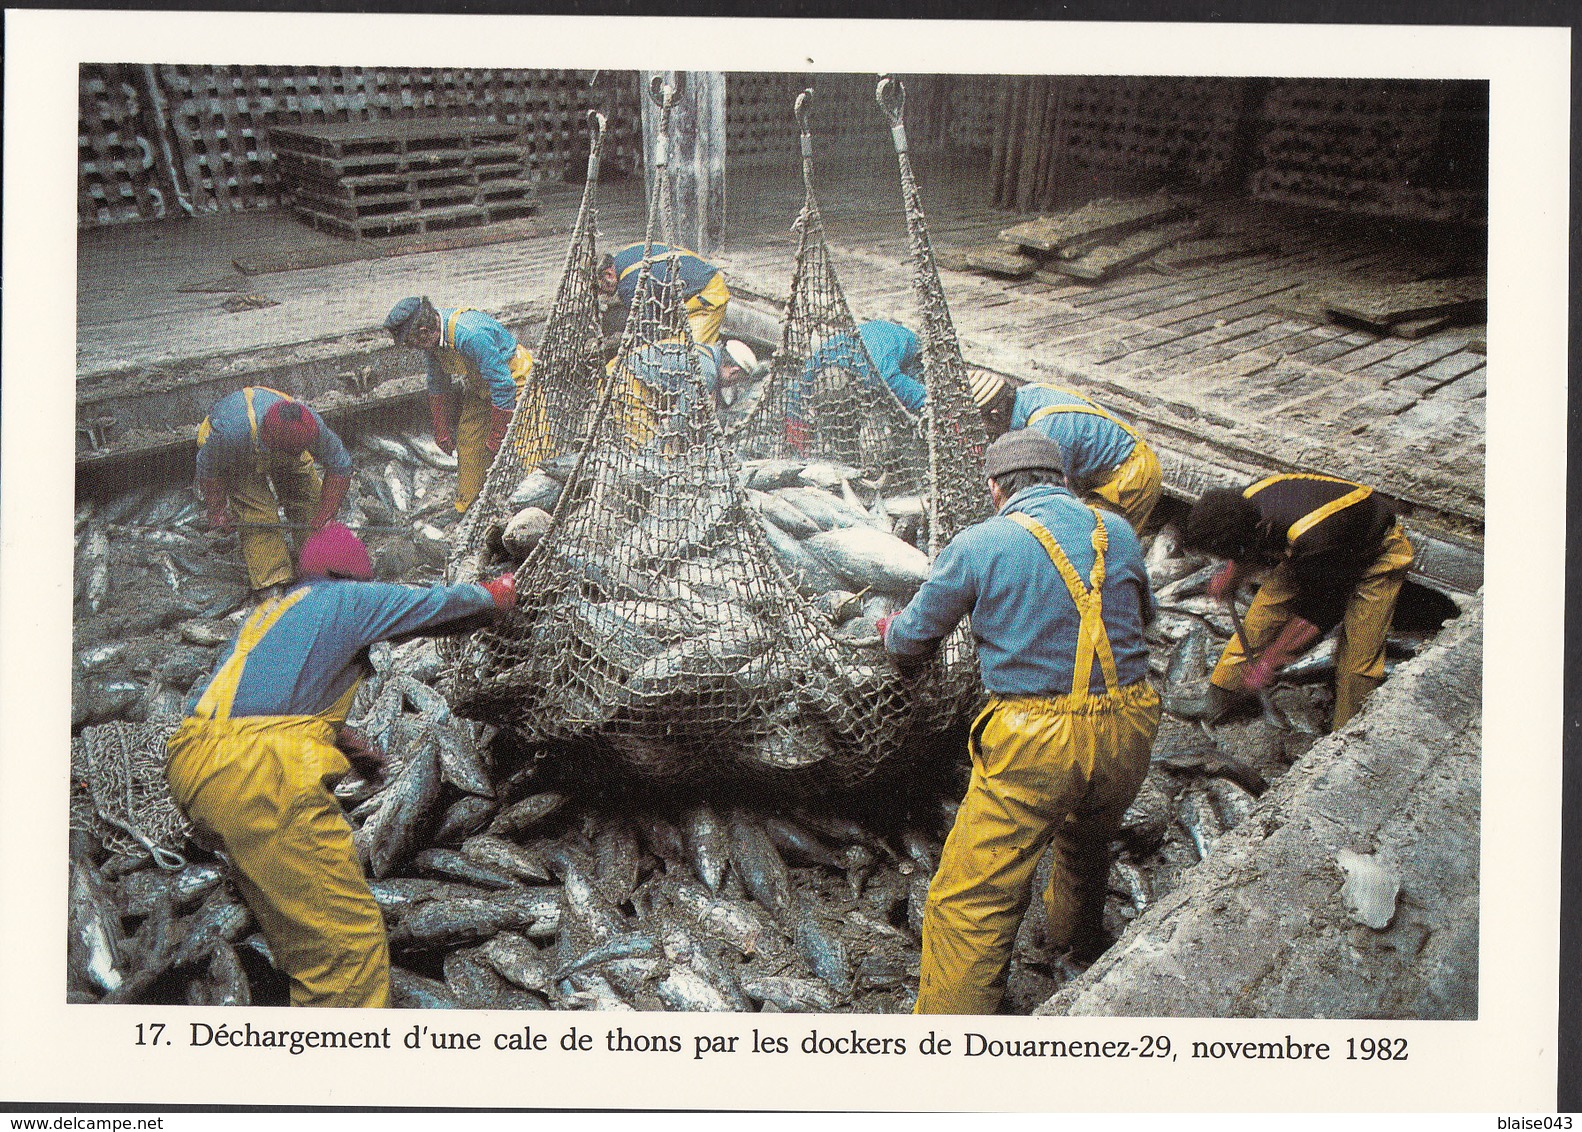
column 694, row 271
column 895, row 352
column 1023, row 618
column 228, row 442
column 1094, row 445
column 319, row 647
column 486, row 344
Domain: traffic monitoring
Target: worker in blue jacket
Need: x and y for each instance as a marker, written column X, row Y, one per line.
column 703, row 289
column 253, row 763
column 881, row 356
column 256, row 453
column 1058, row 598
column 1107, row 459
column 477, row 379
column 657, row 400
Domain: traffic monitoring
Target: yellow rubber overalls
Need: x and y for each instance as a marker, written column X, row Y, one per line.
column 261, row 785
column 1132, row 491
column 1359, row 645
column 1058, row 770
column 706, row 309
column 532, row 441
column 256, row 496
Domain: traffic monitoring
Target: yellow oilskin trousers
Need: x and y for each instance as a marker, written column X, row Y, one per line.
column 1042, row 771
column 277, row 482
column 706, row 310
column 256, row 496
column 1045, row 770
column 1359, row 651
column 1134, row 489
column 261, row 786
column 472, row 427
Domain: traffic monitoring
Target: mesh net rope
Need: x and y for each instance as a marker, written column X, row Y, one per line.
column 119, row 793
column 658, row 624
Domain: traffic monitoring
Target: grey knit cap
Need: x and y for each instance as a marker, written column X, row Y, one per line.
column 1021, row 450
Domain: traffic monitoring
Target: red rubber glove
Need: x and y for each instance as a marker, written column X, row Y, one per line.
column 1257, row 675
column 883, row 624
column 444, row 430
column 797, row 435
column 214, row 499
column 330, row 496
column 503, row 590
column 1224, row 581
column 499, row 422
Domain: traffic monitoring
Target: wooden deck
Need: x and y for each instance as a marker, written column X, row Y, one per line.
column 1228, row 364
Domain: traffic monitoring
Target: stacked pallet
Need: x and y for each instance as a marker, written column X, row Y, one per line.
column 1088, row 244
column 390, row 177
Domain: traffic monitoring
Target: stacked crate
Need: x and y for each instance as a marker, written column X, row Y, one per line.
column 395, row 177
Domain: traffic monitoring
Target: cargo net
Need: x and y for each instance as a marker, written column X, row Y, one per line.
column 568, row 367
column 689, row 614
column 119, row 793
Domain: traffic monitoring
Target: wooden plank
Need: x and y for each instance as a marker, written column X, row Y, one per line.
column 996, row 258
column 1463, row 297
column 1105, row 216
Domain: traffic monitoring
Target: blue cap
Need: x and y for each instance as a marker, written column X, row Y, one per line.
column 401, row 314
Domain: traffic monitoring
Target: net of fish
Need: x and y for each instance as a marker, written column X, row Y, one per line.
column 665, row 620
column 119, row 792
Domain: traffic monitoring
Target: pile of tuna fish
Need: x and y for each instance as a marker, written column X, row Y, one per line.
column 509, row 881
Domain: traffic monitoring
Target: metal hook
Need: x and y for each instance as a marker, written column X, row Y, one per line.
column 801, row 108
column 596, row 122
column 891, row 89
column 663, row 93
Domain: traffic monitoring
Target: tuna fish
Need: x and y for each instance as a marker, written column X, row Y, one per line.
column 871, row 559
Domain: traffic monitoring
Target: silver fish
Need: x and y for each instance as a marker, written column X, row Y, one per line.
column 506, row 857
column 448, row 864
column 392, row 833
column 400, row 493
column 1189, row 586
column 96, row 566
column 601, row 920
column 782, row 514
column 709, row 848
column 515, row 957
column 766, row 475
column 419, row 992
column 537, row 489
column 628, row 945
column 430, row 453
column 479, row 986
column 1231, row 801
column 806, row 572
column 1195, row 810
column 588, row 991
column 792, row 838
column 871, row 559
column 683, row 988
column 759, row 864
column 465, row 817
column 101, row 657
column 1133, row 884
column 96, row 947
column 222, row 918
column 227, row 978
column 737, row 923
column 823, row 950
column 451, row 922
column 827, row 512
column 519, row 817
column 461, row 760
column 387, row 447
column 616, row 855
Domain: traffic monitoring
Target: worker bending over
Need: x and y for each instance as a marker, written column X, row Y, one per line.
column 1336, row 555
column 658, row 395
column 1058, row 598
column 1107, row 460
column 253, row 763
column 256, row 453
column 468, row 347
column 703, row 288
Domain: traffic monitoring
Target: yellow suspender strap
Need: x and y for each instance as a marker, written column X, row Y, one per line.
column 1091, row 637
column 252, row 419
column 252, row 415
column 221, row 692
column 1316, row 516
column 1089, row 408
column 450, row 326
